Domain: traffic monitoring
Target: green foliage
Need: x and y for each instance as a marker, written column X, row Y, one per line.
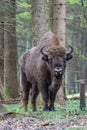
column 80, row 55
column 12, row 107
column 81, row 2
column 85, row 3
column 72, row 1
column 23, row 19
column 23, row 3
column 83, row 23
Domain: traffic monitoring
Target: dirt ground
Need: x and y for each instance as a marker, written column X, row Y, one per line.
column 30, row 122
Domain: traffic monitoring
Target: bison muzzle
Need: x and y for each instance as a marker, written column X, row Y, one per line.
column 42, row 68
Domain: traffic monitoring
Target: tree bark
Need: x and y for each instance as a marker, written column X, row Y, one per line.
column 38, row 20
column 2, row 108
column 59, row 15
column 82, row 96
column 1, row 61
column 2, row 95
column 10, row 51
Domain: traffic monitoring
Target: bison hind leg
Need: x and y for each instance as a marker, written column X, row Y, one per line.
column 26, row 88
column 26, row 95
column 34, row 94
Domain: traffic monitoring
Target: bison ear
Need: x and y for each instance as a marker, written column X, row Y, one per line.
column 45, row 58
column 69, row 57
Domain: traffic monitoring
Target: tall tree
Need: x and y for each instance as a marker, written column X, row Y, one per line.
column 10, row 50
column 59, row 15
column 1, row 50
column 38, row 20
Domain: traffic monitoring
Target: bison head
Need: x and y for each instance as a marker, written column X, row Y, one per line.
column 56, row 58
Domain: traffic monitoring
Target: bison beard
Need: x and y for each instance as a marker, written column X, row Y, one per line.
column 42, row 68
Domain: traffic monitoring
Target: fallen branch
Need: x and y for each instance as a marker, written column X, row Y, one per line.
column 74, row 96
column 11, row 101
column 5, row 115
column 45, row 124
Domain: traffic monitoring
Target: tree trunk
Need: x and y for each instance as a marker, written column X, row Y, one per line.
column 38, row 20
column 82, row 96
column 59, row 15
column 1, row 60
column 10, row 51
column 2, row 108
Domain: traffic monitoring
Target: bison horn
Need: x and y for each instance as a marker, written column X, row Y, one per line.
column 70, row 50
column 45, row 57
column 69, row 54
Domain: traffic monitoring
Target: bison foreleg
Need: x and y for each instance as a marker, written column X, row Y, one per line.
column 45, row 96
column 53, row 89
column 34, row 94
column 52, row 99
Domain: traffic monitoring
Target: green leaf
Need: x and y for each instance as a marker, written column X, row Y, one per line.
column 73, row 1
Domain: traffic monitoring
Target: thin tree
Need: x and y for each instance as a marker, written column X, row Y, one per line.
column 1, row 63
column 1, row 55
column 1, row 50
column 10, row 50
column 1, row 58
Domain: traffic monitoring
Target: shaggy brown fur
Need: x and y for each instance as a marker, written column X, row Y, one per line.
column 42, row 68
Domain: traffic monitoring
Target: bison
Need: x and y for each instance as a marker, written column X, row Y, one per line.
column 42, row 68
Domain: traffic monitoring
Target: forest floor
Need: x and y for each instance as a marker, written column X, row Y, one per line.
column 66, row 117
column 76, row 122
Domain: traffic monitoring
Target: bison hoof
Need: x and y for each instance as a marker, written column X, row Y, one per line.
column 46, row 108
column 33, row 109
column 51, row 108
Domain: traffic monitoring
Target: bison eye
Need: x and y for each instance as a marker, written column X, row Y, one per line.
column 49, row 60
column 64, row 60
column 69, row 57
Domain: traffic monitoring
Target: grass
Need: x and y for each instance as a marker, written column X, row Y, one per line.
column 71, row 107
column 63, row 113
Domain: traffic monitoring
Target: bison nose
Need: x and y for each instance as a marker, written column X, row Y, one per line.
column 58, row 71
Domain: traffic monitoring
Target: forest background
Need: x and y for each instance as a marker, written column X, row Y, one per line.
column 23, row 23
